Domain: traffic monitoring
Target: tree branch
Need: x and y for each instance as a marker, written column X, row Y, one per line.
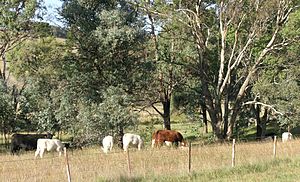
column 263, row 104
column 161, row 114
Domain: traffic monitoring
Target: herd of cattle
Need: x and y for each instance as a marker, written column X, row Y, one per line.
column 44, row 142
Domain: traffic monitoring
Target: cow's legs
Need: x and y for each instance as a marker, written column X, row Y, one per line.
column 111, row 146
column 140, row 146
column 15, row 150
column 105, row 150
column 36, row 153
column 125, row 146
column 59, row 150
column 41, row 152
column 158, row 143
column 153, row 143
column 169, row 144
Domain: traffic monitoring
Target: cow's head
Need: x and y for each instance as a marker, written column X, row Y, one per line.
column 49, row 135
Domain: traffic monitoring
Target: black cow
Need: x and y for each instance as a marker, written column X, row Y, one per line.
column 26, row 141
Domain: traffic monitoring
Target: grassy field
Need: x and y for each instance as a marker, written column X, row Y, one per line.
column 273, row 171
column 254, row 162
column 210, row 161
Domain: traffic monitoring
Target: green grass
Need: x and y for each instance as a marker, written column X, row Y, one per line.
column 277, row 170
column 273, row 171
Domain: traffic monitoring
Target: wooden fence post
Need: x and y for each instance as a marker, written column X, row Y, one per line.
column 35, row 170
column 128, row 163
column 190, row 156
column 67, row 164
column 233, row 153
column 274, row 147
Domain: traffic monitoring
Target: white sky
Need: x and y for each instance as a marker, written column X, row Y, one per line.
column 52, row 12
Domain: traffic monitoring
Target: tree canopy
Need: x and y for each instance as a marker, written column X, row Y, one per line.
column 222, row 62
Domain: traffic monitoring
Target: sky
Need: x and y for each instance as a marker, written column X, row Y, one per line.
column 52, row 12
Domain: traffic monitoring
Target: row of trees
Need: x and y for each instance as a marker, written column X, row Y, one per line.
column 225, row 61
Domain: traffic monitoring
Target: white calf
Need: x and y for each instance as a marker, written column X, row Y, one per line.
column 286, row 136
column 107, row 144
column 49, row 145
column 129, row 138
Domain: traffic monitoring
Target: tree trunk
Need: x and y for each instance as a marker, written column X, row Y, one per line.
column 3, row 72
column 264, row 121
column 226, row 115
column 214, row 110
column 216, row 123
column 238, row 101
column 256, row 110
column 232, row 121
column 120, row 137
column 261, row 122
column 167, row 114
column 204, row 114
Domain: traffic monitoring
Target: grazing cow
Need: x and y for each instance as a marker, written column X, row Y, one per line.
column 107, row 144
column 25, row 141
column 168, row 137
column 49, row 145
column 286, row 136
column 272, row 135
column 134, row 139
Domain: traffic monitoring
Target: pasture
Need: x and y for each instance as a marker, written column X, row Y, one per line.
column 209, row 163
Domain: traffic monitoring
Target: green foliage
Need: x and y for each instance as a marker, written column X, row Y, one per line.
column 38, row 64
column 279, row 86
column 16, row 21
column 108, row 39
column 106, row 118
column 291, row 30
column 109, row 60
column 6, row 110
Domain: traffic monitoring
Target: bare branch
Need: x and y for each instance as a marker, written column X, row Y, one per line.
column 237, row 60
column 263, row 104
column 161, row 114
column 223, row 32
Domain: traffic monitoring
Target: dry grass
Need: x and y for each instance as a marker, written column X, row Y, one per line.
column 92, row 165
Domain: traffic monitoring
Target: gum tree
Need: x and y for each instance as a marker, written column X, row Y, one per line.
column 231, row 42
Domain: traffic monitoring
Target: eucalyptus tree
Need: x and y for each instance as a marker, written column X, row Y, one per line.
column 231, row 41
column 107, row 42
column 248, row 32
column 167, row 51
column 276, row 90
column 38, row 64
column 16, row 25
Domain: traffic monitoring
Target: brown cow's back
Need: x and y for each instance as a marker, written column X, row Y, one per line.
column 161, row 136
